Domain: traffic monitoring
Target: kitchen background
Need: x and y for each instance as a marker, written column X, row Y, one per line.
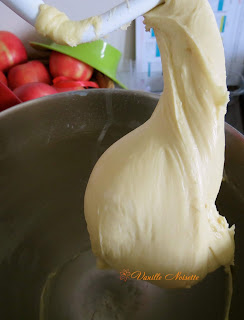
column 140, row 65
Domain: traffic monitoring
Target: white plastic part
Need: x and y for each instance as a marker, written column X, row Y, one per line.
column 119, row 16
column 26, row 9
column 112, row 20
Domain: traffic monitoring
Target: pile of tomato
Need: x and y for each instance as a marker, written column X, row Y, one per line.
column 22, row 80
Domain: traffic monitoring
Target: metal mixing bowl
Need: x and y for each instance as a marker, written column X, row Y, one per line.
column 48, row 148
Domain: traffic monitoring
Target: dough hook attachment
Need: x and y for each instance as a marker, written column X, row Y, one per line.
column 112, row 20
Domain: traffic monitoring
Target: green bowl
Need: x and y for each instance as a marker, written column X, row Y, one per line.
column 98, row 54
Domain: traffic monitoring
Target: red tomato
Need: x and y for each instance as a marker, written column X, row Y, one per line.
column 12, row 50
column 3, row 78
column 62, row 84
column 34, row 90
column 68, row 89
column 7, row 97
column 62, row 65
column 32, row 71
column 65, row 82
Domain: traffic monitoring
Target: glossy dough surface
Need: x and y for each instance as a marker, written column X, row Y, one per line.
column 150, row 200
column 56, row 25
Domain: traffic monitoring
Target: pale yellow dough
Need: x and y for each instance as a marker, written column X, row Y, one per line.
column 150, row 200
column 57, row 26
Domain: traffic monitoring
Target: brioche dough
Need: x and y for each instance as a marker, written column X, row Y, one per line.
column 57, row 26
column 150, row 200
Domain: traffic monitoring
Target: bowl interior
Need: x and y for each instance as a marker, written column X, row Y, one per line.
column 48, row 148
